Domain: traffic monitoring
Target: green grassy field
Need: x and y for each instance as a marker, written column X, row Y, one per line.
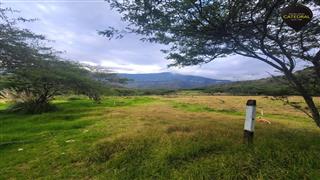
column 168, row 137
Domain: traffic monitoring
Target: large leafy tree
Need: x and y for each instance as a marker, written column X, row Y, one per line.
column 19, row 47
column 199, row 31
column 34, row 74
column 49, row 78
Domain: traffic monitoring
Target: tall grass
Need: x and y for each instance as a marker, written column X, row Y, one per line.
column 179, row 137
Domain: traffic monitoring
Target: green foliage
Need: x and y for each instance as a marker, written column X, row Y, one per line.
column 138, row 92
column 255, row 87
column 51, row 78
column 19, row 47
column 25, row 102
column 31, row 107
column 157, row 92
column 29, row 68
column 201, row 31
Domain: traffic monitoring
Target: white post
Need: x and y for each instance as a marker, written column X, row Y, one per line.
column 249, row 121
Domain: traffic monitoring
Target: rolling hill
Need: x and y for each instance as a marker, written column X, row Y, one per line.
column 267, row 86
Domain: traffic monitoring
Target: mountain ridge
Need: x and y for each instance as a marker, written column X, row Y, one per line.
column 277, row 85
column 168, row 80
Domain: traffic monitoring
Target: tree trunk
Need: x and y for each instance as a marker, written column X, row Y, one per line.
column 306, row 96
column 316, row 65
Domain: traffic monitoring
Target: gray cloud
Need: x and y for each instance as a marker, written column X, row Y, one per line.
column 73, row 26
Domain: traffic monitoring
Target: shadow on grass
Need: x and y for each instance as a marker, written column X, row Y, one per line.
column 276, row 154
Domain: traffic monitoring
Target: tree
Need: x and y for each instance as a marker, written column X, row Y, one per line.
column 199, row 31
column 54, row 77
column 33, row 74
column 19, row 47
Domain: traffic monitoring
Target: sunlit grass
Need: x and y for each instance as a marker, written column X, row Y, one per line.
column 181, row 137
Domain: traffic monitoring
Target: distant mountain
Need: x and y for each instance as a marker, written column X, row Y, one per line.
column 168, row 80
column 268, row 86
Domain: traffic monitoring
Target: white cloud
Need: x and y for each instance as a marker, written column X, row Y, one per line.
column 89, row 63
column 73, row 27
column 129, row 67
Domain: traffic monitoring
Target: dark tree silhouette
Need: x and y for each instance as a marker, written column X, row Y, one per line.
column 199, row 31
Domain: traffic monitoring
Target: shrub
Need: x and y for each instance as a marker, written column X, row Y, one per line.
column 25, row 102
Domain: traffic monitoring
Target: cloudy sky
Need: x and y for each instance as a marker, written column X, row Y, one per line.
column 73, row 25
